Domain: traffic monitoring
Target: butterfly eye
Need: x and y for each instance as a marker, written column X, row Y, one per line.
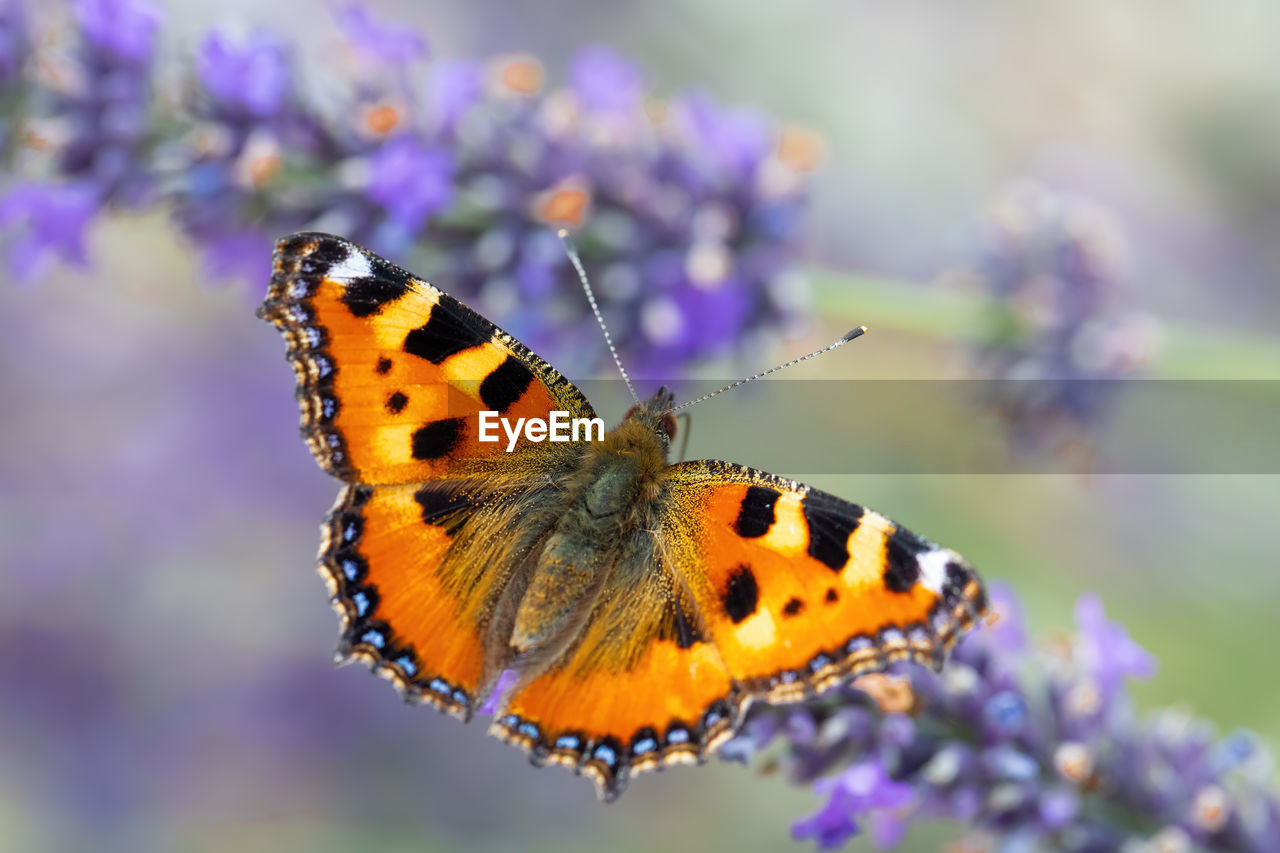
column 667, row 425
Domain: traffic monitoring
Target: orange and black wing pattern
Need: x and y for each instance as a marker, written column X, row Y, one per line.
column 800, row 590
column 393, row 373
column 415, row 572
column 381, row 556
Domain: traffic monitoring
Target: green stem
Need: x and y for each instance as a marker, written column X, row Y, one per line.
column 1186, row 351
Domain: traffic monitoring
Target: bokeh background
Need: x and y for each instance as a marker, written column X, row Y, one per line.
column 165, row 680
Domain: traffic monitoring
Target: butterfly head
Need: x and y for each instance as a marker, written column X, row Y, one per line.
column 655, row 413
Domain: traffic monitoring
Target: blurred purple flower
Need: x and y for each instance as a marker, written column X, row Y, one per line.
column 1106, row 649
column 734, row 140
column 830, row 827
column 1053, row 267
column 107, row 118
column 989, row 742
column 236, row 252
column 411, row 180
column 14, row 41
column 250, row 74
column 1009, row 632
column 126, row 29
column 605, row 82
column 690, row 225
column 455, row 86
column 378, row 41
column 859, row 789
column 55, row 218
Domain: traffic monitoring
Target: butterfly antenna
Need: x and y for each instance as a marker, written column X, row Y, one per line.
column 853, row 333
column 595, row 309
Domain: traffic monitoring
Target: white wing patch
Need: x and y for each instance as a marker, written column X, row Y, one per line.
column 933, row 568
column 355, row 265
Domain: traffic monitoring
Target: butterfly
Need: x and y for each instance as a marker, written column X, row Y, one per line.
column 641, row 605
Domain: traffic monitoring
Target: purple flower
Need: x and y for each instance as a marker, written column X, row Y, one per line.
column 378, row 41
column 107, row 121
column 989, row 743
column 1106, row 649
column 604, row 81
column 240, row 252
column 752, row 737
column 1009, row 630
column 55, row 217
column 491, row 157
column 1053, row 266
column 14, row 41
column 733, row 141
column 455, row 86
column 410, row 180
column 126, row 29
column 831, row 826
column 861, row 788
column 250, row 74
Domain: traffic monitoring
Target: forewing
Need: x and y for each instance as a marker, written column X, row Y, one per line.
column 392, row 373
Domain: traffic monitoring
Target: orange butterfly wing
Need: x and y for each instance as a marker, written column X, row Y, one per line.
column 800, row 589
column 393, row 373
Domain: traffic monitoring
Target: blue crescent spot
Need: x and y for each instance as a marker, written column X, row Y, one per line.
column 680, row 735
column 373, row 638
column 406, row 663
column 362, row 603
column 645, row 744
column 605, row 753
column 857, row 644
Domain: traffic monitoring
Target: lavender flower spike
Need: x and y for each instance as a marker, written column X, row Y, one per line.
column 1005, row 739
column 688, row 222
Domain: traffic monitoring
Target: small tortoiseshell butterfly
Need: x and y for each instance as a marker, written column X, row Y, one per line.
column 643, row 605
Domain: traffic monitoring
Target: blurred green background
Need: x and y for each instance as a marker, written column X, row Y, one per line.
column 166, row 642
